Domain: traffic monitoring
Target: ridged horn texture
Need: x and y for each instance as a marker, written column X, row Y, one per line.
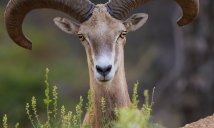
column 16, row 11
column 119, row 9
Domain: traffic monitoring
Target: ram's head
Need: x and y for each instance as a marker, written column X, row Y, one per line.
column 101, row 28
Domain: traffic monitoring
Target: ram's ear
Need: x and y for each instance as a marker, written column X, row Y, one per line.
column 135, row 21
column 66, row 25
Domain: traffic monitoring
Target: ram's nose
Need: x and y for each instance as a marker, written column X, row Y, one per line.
column 103, row 70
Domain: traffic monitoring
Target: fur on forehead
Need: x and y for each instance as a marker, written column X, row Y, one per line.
column 101, row 16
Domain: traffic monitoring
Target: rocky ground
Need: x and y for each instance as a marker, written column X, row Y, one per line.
column 207, row 122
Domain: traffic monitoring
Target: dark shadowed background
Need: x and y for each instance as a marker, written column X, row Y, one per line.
column 179, row 61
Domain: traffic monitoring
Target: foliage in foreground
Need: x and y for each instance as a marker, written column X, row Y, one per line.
column 61, row 118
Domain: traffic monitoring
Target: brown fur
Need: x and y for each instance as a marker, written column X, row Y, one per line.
column 102, row 39
column 114, row 92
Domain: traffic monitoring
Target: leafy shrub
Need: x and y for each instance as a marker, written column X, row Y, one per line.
column 61, row 118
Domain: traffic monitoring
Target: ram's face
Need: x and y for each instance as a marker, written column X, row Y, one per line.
column 104, row 38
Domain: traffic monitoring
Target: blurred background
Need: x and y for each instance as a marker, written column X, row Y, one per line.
column 179, row 61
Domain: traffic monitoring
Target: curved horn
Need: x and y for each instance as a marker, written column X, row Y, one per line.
column 119, row 9
column 190, row 11
column 16, row 11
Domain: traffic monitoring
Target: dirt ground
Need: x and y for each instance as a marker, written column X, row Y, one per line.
column 207, row 122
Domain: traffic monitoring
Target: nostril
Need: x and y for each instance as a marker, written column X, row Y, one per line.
column 103, row 70
column 108, row 68
column 99, row 69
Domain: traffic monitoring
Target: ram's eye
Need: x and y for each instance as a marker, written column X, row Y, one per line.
column 123, row 34
column 81, row 37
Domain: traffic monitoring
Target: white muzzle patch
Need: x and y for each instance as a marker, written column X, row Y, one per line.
column 104, row 68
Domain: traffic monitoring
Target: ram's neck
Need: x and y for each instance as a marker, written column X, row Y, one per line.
column 115, row 94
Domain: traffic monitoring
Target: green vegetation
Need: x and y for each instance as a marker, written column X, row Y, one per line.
column 61, row 118
column 20, row 70
column 66, row 119
column 5, row 121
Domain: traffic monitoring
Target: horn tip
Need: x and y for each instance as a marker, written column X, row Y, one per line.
column 184, row 21
column 27, row 45
column 29, row 48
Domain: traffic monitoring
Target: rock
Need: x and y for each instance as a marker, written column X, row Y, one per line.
column 207, row 122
